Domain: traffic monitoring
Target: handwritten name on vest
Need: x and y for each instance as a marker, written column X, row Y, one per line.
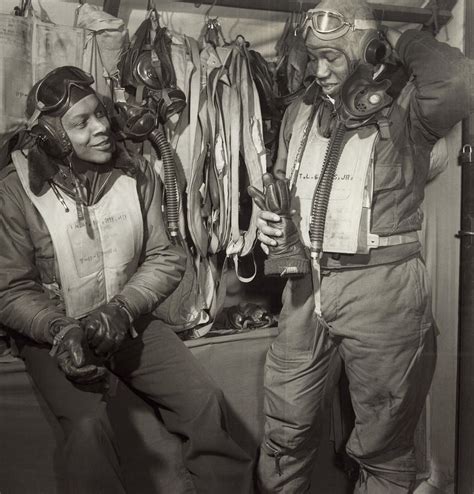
column 109, row 220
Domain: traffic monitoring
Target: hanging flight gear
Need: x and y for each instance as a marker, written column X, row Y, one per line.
column 106, row 37
column 139, row 123
column 252, row 149
column 229, row 153
column 269, row 103
column 185, row 308
column 147, row 72
column 293, row 57
column 149, row 75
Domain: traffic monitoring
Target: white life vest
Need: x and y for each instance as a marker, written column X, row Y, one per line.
column 95, row 257
column 347, row 228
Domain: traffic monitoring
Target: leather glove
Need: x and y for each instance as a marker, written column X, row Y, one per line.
column 288, row 258
column 106, row 327
column 70, row 350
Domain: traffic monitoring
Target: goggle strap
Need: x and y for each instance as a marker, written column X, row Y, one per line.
column 33, row 119
column 364, row 24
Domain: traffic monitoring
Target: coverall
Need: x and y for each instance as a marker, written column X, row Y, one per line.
column 376, row 307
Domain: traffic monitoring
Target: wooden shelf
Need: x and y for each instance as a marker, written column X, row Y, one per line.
column 392, row 13
column 384, row 12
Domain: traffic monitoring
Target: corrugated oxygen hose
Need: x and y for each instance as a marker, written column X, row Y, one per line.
column 158, row 138
column 322, row 193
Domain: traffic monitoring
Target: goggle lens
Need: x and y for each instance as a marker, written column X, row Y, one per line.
column 54, row 90
column 326, row 25
column 327, row 22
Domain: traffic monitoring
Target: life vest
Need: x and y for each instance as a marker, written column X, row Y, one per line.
column 97, row 256
column 347, row 228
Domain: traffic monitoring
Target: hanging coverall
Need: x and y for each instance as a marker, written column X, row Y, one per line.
column 376, row 306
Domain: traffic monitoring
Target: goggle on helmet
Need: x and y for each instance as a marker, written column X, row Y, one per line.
column 53, row 93
column 328, row 24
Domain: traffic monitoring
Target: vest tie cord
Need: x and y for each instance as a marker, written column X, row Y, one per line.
column 288, row 258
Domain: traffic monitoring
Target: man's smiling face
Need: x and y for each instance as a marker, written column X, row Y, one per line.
column 88, row 128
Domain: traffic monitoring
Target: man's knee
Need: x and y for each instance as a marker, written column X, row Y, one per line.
column 283, row 470
column 392, row 469
column 88, row 432
column 210, row 397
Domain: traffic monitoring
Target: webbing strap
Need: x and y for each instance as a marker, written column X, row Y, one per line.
column 253, row 146
column 316, row 275
column 222, row 287
column 220, row 101
column 194, row 89
column 235, row 245
column 375, row 241
column 214, row 70
column 197, row 228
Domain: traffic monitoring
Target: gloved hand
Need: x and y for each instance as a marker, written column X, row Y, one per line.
column 70, row 350
column 288, row 257
column 106, row 328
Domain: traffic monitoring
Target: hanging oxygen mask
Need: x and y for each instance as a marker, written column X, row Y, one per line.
column 140, row 123
column 147, row 73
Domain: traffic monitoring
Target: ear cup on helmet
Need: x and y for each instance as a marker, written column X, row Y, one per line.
column 373, row 49
column 54, row 142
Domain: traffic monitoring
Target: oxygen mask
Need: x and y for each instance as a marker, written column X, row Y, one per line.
column 136, row 122
column 362, row 97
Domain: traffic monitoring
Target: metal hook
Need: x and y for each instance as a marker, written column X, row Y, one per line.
column 150, row 5
column 434, row 17
column 210, row 8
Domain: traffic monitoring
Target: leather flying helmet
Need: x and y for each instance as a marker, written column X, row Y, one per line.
column 348, row 26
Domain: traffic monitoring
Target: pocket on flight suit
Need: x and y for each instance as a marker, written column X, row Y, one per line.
column 388, row 176
column 422, row 291
column 298, row 324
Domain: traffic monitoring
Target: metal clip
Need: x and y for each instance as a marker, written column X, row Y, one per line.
column 464, row 233
column 466, row 155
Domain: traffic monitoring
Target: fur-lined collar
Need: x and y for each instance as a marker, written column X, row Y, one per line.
column 42, row 168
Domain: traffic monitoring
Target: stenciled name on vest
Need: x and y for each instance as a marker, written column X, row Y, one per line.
column 349, row 192
column 315, row 176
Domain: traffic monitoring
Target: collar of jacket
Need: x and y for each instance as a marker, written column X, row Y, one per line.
column 43, row 168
